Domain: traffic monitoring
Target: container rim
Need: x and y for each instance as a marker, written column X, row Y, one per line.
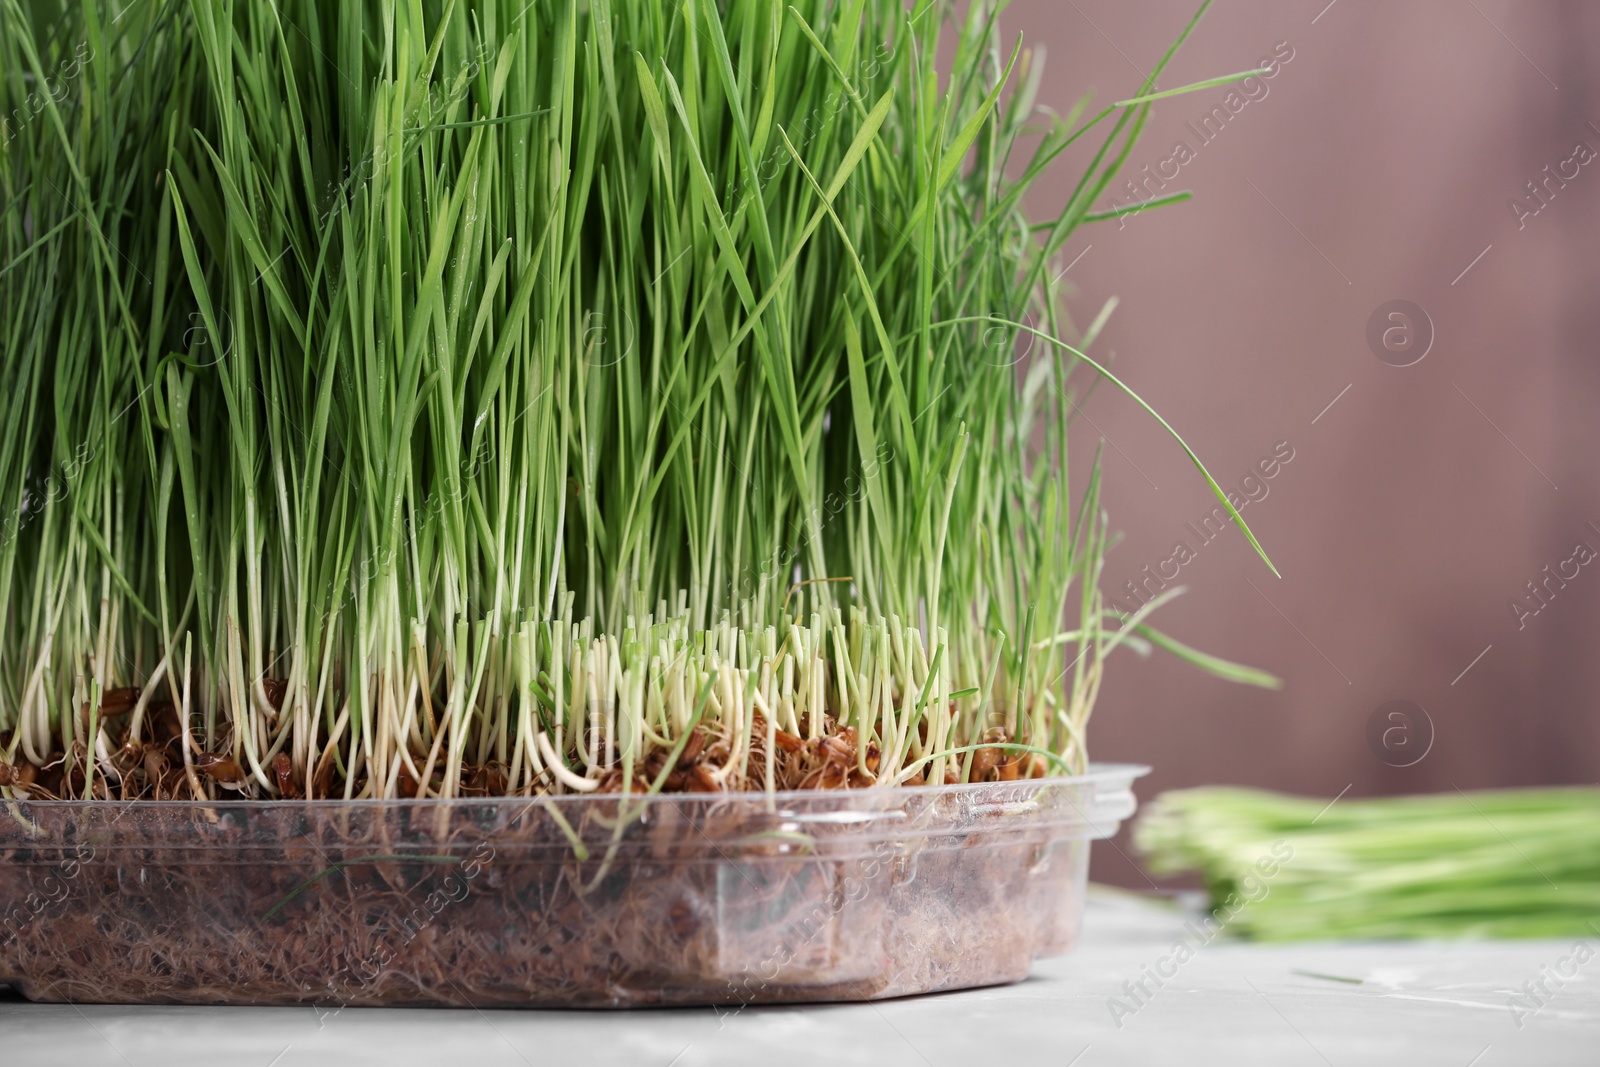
column 1098, row 774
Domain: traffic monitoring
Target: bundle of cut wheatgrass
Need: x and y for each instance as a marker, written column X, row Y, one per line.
column 465, row 397
column 1502, row 863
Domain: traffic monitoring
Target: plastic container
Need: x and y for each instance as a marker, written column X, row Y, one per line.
column 595, row 901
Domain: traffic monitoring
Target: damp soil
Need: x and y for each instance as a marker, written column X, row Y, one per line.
column 599, row 901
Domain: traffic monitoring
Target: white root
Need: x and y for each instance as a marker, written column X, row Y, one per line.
column 559, row 769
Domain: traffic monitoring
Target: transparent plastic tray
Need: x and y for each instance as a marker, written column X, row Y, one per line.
column 596, row 901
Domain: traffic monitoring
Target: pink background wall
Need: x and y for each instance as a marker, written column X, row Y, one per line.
column 1378, row 166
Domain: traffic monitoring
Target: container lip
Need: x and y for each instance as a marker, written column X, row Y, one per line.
column 1098, row 774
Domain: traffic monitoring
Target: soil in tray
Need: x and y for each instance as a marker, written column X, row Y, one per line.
column 486, row 903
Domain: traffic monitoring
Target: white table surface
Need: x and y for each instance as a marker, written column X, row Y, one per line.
column 1233, row 1003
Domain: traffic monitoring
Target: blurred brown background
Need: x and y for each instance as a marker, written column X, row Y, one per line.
column 1379, row 165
